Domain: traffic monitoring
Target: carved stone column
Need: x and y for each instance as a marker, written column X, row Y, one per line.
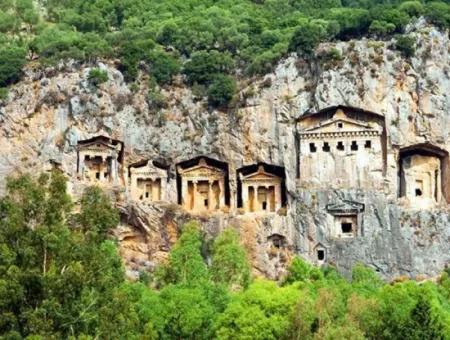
column 194, row 197
column 184, row 193
column 210, row 196
column 277, row 190
column 244, row 197
column 221, row 193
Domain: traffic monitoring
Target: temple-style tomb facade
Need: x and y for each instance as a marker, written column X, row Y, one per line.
column 341, row 147
column 424, row 175
column 100, row 160
column 147, row 182
column 261, row 190
column 202, row 184
column 346, row 215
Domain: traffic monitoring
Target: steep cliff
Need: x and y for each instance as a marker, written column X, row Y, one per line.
column 51, row 109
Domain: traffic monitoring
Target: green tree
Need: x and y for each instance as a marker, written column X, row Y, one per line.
column 185, row 265
column 263, row 311
column 229, row 260
column 221, row 90
column 299, row 270
column 204, row 65
column 306, row 37
column 12, row 59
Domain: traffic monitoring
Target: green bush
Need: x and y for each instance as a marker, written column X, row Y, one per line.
column 97, row 76
column 406, row 45
column 12, row 59
column 221, row 90
column 156, row 101
column 203, row 66
column 438, row 13
column 306, row 37
column 3, row 93
column 163, row 67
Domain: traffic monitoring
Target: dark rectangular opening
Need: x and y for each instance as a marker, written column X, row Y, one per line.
column 264, row 205
column 418, row 192
column 205, row 202
column 105, row 175
column 340, row 146
column 340, row 125
column 312, row 147
column 321, row 254
column 346, row 228
column 368, row 144
column 326, row 147
column 97, row 175
column 146, row 195
column 354, row 146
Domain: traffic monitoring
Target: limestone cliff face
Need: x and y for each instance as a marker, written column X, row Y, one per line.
column 50, row 110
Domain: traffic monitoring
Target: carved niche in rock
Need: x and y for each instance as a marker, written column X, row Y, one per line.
column 424, row 175
column 320, row 253
column 346, row 218
column 341, row 147
column 202, row 185
column 147, row 182
column 261, row 190
column 100, row 159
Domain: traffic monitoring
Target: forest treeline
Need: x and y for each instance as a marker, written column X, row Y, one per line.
column 210, row 42
column 61, row 278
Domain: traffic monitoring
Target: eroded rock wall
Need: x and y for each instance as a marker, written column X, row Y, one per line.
column 50, row 110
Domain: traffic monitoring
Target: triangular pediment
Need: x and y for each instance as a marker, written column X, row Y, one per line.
column 96, row 144
column 259, row 175
column 148, row 169
column 202, row 169
column 340, row 122
column 345, row 207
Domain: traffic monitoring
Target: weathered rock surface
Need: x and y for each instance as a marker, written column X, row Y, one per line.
column 51, row 109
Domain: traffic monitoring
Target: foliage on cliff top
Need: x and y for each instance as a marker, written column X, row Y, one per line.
column 199, row 38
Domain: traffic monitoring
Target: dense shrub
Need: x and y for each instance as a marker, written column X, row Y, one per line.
column 406, row 45
column 199, row 37
column 221, row 90
column 12, row 59
column 306, row 36
column 204, row 65
column 97, row 76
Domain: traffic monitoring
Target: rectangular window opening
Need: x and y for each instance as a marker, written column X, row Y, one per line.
column 346, row 227
column 340, row 125
column 354, row 146
column 206, row 202
column 340, row 146
column 368, row 144
column 312, row 147
column 97, row 175
column 321, row 254
column 264, row 205
column 326, row 147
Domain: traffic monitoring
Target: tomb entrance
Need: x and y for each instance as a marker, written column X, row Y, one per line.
column 424, row 175
column 147, row 182
column 203, row 184
column 261, row 188
column 346, row 218
column 99, row 159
